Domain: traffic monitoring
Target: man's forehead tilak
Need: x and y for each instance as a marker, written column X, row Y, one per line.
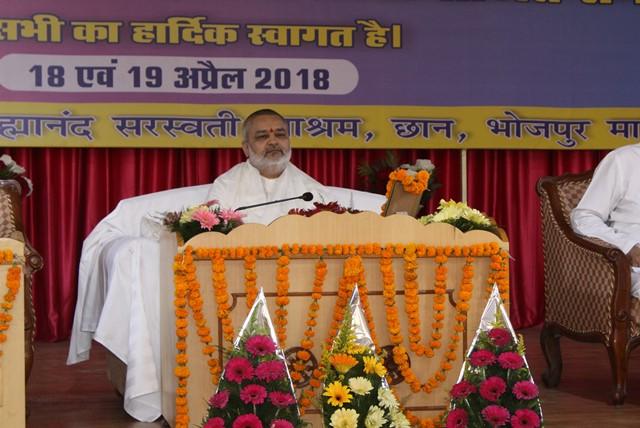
column 271, row 130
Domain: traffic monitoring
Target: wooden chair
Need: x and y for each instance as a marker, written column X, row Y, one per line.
column 11, row 227
column 587, row 286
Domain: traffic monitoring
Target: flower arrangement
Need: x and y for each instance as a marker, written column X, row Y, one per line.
column 496, row 388
column 355, row 392
column 413, row 179
column 460, row 215
column 208, row 217
column 333, row 207
column 376, row 173
column 255, row 390
column 410, row 182
column 10, row 170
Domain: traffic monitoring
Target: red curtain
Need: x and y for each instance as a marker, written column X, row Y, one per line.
column 75, row 188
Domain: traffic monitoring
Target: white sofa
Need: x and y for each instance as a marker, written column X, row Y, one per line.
column 118, row 296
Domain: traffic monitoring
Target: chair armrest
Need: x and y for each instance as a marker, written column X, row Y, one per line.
column 580, row 273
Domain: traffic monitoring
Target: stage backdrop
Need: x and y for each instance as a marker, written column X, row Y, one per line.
column 109, row 100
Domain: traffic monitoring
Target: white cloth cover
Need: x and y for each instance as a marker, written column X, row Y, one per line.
column 610, row 208
column 118, row 303
column 118, row 298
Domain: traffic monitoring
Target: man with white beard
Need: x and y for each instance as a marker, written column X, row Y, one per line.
column 267, row 174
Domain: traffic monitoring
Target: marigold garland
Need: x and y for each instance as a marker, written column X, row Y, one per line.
column 415, row 184
column 399, row 353
column 181, row 292
column 364, row 300
column 306, row 343
column 499, row 274
column 250, row 277
column 6, row 256
column 188, row 294
column 221, row 291
column 351, row 274
column 282, row 299
column 14, row 274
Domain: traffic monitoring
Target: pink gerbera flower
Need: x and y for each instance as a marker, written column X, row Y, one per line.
column 497, row 416
column 525, row 418
column 270, row 370
column 510, row 360
column 525, row 390
column 260, row 345
column 253, row 394
column 231, row 215
column 457, row 418
column 482, row 358
column 281, row 399
column 281, row 423
column 247, row 421
column 492, row 388
column 238, row 369
column 500, row 336
column 216, row 422
column 220, row 399
column 462, row 389
column 206, row 218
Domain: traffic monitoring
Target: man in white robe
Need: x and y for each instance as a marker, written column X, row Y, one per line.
column 267, row 174
column 118, row 300
column 610, row 208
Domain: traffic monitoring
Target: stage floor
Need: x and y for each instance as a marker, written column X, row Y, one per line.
column 80, row 396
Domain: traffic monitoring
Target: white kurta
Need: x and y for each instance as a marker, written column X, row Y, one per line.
column 243, row 185
column 118, row 296
column 610, row 208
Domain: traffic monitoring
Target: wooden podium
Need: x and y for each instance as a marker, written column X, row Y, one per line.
column 339, row 236
column 12, row 360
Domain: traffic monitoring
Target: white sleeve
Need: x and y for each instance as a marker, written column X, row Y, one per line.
column 591, row 216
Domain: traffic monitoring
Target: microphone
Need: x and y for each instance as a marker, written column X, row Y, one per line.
column 306, row 196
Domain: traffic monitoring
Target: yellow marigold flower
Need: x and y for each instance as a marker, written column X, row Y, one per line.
column 373, row 365
column 338, row 394
column 342, row 362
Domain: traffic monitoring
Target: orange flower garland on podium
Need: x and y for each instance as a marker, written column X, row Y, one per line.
column 421, row 288
column 404, row 190
column 12, row 355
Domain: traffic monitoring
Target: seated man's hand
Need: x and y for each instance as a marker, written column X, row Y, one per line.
column 634, row 255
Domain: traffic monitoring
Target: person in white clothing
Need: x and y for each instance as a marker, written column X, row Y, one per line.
column 610, row 208
column 118, row 301
column 267, row 174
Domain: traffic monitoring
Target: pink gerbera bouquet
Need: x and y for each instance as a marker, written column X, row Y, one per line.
column 208, row 217
column 255, row 390
column 496, row 388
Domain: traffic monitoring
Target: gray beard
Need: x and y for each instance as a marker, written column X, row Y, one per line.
column 275, row 167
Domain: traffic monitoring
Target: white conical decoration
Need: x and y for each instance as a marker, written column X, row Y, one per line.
column 495, row 385
column 255, row 387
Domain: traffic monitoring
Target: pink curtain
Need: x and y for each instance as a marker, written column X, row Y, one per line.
column 75, row 188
